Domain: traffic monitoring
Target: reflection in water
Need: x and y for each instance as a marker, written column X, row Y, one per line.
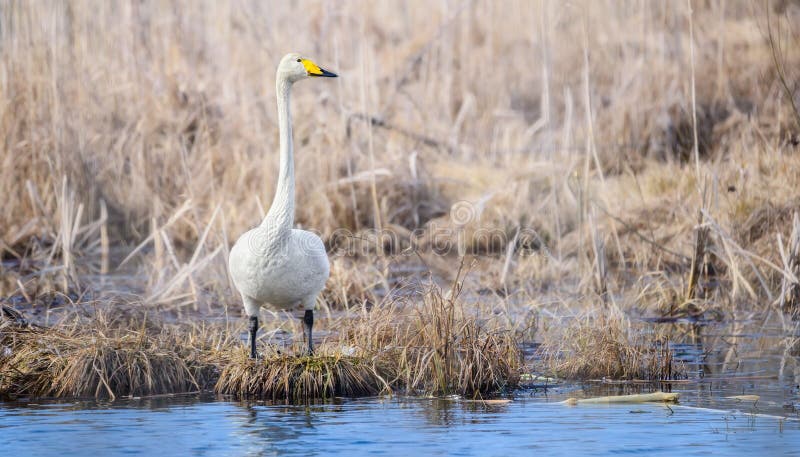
column 393, row 425
column 286, row 423
column 743, row 356
column 437, row 412
column 532, row 423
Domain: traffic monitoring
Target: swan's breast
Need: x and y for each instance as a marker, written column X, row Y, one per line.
column 282, row 274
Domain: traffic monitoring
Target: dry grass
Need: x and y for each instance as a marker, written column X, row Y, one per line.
column 162, row 133
column 569, row 145
column 291, row 378
column 436, row 348
column 449, row 348
column 441, row 346
column 600, row 347
column 95, row 362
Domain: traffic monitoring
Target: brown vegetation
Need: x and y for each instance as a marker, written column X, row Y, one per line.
column 309, row 377
column 567, row 146
column 98, row 360
column 434, row 348
column 599, row 347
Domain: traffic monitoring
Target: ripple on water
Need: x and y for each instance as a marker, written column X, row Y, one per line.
column 398, row 426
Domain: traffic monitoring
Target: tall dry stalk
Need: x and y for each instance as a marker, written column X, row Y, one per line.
column 698, row 259
column 790, row 288
column 164, row 131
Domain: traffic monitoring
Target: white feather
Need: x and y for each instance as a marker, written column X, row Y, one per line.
column 274, row 264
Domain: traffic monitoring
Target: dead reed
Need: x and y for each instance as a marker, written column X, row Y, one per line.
column 132, row 161
column 448, row 348
column 609, row 347
column 169, row 147
column 437, row 347
column 293, row 378
column 790, row 284
column 76, row 362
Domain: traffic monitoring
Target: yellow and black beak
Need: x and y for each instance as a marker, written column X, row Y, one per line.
column 314, row 70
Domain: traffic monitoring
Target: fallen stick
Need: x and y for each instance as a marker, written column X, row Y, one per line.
column 752, row 398
column 495, row 401
column 742, row 413
column 636, row 398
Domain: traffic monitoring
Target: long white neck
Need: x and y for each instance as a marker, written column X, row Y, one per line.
column 280, row 218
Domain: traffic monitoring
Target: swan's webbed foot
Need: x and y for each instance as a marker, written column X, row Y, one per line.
column 308, row 324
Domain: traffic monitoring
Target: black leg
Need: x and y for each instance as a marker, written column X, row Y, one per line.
column 308, row 324
column 253, row 331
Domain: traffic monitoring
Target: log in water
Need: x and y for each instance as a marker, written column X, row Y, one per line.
column 638, row 398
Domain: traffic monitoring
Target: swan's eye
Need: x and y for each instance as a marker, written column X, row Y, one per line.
column 299, row 60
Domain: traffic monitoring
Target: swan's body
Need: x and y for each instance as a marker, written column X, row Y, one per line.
column 275, row 264
column 280, row 276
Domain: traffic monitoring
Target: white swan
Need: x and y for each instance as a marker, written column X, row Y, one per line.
column 275, row 264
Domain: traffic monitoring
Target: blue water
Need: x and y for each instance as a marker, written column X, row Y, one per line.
column 533, row 423
column 386, row 426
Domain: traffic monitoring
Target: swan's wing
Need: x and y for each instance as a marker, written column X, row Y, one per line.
column 310, row 247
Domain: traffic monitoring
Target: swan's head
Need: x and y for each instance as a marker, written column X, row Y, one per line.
column 294, row 67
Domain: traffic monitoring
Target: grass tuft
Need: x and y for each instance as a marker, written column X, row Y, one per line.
column 293, row 378
column 609, row 347
column 72, row 362
column 435, row 348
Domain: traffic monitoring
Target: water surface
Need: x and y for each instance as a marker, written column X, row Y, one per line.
column 530, row 423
